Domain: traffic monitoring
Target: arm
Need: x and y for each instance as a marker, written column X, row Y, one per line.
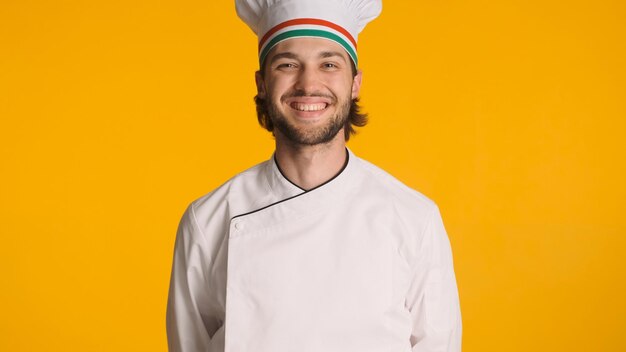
column 189, row 327
column 433, row 299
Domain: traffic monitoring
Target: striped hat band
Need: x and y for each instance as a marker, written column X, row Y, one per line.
column 307, row 27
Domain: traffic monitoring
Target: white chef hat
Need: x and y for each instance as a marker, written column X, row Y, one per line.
column 338, row 20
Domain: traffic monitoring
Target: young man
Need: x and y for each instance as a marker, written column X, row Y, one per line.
column 315, row 249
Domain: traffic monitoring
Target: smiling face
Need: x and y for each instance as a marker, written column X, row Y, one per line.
column 308, row 87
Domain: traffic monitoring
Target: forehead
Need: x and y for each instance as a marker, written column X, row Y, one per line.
column 307, row 48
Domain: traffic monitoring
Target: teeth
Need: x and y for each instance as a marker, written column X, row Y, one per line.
column 309, row 107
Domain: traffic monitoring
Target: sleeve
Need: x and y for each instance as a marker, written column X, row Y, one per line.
column 432, row 299
column 189, row 327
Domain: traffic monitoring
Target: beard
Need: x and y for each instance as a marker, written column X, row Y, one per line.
column 310, row 136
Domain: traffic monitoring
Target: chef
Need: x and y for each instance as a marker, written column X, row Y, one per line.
column 315, row 249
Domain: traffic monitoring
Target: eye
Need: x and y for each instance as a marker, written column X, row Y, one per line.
column 330, row 66
column 286, row 66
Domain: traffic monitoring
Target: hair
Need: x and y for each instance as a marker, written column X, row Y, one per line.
column 355, row 117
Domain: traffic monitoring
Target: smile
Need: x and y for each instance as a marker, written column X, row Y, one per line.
column 308, row 107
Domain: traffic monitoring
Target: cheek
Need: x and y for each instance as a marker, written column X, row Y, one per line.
column 347, row 84
column 277, row 89
column 346, row 90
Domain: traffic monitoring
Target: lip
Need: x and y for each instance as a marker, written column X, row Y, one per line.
column 308, row 115
column 308, row 100
column 306, row 107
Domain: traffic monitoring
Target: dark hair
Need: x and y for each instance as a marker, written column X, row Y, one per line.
column 355, row 117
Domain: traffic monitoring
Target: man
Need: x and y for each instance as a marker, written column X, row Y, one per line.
column 315, row 249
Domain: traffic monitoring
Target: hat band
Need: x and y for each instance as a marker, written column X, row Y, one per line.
column 299, row 33
column 306, row 21
column 307, row 27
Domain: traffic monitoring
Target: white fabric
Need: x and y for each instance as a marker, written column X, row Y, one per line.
column 352, row 15
column 360, row 264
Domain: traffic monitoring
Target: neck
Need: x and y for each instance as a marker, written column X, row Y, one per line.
column 310, row 166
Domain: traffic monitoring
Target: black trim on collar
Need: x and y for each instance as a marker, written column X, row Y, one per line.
column 297, row 195
column 283, row 174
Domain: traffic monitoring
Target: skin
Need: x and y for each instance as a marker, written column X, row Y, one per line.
column 309, row 74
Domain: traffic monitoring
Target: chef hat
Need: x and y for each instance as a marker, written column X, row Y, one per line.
column 338, row 20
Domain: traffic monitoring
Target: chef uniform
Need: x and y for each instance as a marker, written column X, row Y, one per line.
column 361, row 263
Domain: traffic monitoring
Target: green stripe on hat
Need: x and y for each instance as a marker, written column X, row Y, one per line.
column 307, row 33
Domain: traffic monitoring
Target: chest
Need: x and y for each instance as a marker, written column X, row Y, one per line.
column 333, row 273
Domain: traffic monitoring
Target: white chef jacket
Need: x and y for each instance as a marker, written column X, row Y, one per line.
column 361, row 263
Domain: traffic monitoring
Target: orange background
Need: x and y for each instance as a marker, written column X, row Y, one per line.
column 116, row 114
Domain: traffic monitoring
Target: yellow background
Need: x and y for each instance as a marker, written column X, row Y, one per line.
column 114, row 115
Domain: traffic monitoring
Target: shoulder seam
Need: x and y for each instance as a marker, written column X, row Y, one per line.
column 195, row 220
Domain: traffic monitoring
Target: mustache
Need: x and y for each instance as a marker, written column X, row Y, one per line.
column 302, row 93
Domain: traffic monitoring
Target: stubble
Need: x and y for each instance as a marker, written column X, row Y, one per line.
column 306, row 136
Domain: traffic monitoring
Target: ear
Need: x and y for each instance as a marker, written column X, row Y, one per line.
column 356, row 84
column 260, row 84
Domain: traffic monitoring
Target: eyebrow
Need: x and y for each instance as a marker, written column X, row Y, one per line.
column 327, row 54
column 284, row 55
column 290, row 55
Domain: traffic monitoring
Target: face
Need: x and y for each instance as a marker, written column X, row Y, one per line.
column 308, row 86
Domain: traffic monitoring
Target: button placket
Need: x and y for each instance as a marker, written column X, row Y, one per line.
column 237, row 226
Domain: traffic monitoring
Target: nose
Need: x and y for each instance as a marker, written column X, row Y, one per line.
column 308, row 81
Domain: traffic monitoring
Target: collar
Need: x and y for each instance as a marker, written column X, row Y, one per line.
column 293, row 201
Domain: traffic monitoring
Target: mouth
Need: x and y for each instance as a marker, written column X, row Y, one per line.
column 309, row 105
column 299, row 106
